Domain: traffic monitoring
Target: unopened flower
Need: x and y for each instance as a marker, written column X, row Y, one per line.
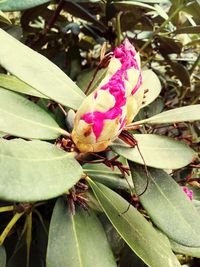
column 188, row 192
column 115, row 102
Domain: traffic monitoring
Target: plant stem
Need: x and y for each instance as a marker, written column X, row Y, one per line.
column 10, row 226
column 62, row 109
column 118, row 41
column 28, row 236
column 6, row 208
column 49, row 24
column 91, row 81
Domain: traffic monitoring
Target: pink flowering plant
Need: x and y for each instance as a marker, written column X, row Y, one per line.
column 99, row 164
column 106, row 111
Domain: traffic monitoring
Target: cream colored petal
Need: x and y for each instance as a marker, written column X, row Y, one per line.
column 137, row 57
column 114, row 66
column 104, row 101
column 134, row 103
column 87, row 106
column 133, row 76
column 82, row 132
column 110, row 130
column 104, row 81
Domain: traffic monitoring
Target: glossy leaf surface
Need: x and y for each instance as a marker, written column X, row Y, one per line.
column 168, row 206
column 187, row 113
column 10, row 5
column 157, row 151
column 77, row 240
column 39, row 72
column 14, row 84
column 35, row 170
column 21, row 117
column 134, row 229
column 2, row 257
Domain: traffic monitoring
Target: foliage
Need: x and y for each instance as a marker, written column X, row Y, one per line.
column 60, row 207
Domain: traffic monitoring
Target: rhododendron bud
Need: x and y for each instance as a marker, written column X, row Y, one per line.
column 104, row 113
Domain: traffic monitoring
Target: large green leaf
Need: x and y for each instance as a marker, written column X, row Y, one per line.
column 21, row 117
column 85, row 77
column 111, row 178
column 39, row 72
column 35, row 170
column 157, row 151
column 168, row 206
column 13, row 5
column 188, row 29
column 13, row 83
column 151, row 82
column 190, row 251
column 2, row 257
column 187, row 113
column 4, row 18
column 134, row 229
column 2, row 134
column 77, row 240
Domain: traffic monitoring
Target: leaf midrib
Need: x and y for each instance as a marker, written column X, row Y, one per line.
column 32, row 122
column 170, row 204
column 34, row 159
column 150, row 147
column 102, row 172
column 76, row 240
column 139, row 233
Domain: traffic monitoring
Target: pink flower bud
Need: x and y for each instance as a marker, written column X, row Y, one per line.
column 103, row 114
column 188, row 192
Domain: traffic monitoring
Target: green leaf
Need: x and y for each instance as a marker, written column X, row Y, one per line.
column 35, row 170
column 181, row 73
column 158, row 151
column 86, row 76
column 80, row 12
column 189, row 29
column 21, row 117
column 4, row 18
column 130, row 5
column 168, row 206
column 2, row 257
column 151, row 82
column 190, row 251
column 105, row 175
column 37, row 71
column 77, row 240
column 10, row 5
column 2, row 134
column 134, row 229
column 187, row 113
column 14, row 84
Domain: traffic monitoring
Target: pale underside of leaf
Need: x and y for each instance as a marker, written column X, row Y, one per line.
column 187, row 113
column 151, row 83
column 35, row 170
column 39, row 72
column 14, row 84
column 21, row 117
column 156, row 151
